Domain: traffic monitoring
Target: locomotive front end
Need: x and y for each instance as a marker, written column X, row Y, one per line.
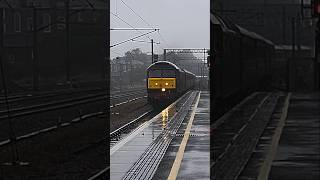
column 161, row 83
column 161, row 88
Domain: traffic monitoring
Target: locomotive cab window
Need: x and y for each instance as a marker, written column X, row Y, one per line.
column 155, row 73
column 162, row 73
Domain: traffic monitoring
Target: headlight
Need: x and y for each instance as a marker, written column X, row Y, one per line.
column 163, row 89
column 167, row 84
column 156, row 84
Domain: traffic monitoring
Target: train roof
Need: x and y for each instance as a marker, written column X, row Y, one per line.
column 253, row 35
column 226, row 24
column 189, row 72
column 214, row 19
column 167, row 63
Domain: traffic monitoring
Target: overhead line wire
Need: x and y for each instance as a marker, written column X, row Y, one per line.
column 127, row 23
column 131, row 39
column 136, row 13
column 161, row 37
column 144, row 22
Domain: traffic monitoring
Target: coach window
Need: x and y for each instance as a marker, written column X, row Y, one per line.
column 17, row 22
column 47, row 22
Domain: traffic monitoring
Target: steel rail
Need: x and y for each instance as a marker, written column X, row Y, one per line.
column 51, row 128
column 117, row 132
column 101, row 174
column 45, row 107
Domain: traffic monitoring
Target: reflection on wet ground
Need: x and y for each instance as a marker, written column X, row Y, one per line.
column 165, row 114
column 196, row 161
column 298, row 155
column 129, row 150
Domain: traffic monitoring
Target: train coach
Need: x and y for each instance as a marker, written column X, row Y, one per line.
column 241, row 62
column 166, row 81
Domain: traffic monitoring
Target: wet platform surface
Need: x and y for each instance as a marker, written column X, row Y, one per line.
column 196, row 157
column 128, row 153
column 298, row 152
column 125, row 154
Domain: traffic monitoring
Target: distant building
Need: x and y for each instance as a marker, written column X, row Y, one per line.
column 123, row 65
column 126, row 72
column 45, row 52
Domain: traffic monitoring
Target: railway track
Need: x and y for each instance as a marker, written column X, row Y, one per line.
column 237, row 133
column 61, row 104
column 25, row 96
column 48, row 107
column 120, row 133
column 101, row 175
column 30, row 99
column 117, row 100
column 116, row 135
column 25, row 99
column 52, row 128
column 91, row 148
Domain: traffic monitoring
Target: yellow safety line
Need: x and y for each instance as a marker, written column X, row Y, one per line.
column 177, row 162
column 266, row 166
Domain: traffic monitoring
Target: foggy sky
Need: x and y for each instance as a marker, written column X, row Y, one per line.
column 182, row 24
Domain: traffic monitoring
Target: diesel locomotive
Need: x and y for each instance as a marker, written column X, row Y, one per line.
column 166, row 81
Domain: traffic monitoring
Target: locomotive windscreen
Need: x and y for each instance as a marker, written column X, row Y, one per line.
column 157, row 73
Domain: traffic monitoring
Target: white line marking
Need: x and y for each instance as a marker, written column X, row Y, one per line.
column 177, row 162
column 266, row 166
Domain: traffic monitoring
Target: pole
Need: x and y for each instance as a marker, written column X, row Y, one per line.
column 298, row 34
column 316, row 60
column 164, row 54
column 199, row 74
column 67, row 41
column 204, row 56
column 204, row 64
column 131, row 70
column 35, row 52
column 14, row 150
column 120, row 75
column 198, row 68
column 283, row 24
column 152, row 51
column 289, row 85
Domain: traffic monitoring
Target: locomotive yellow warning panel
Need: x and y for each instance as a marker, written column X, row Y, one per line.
column 159, row 83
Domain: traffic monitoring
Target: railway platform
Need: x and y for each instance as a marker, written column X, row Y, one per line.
column 289, row 146
column 268, row 136
column 298, row 152
column 173, row 144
